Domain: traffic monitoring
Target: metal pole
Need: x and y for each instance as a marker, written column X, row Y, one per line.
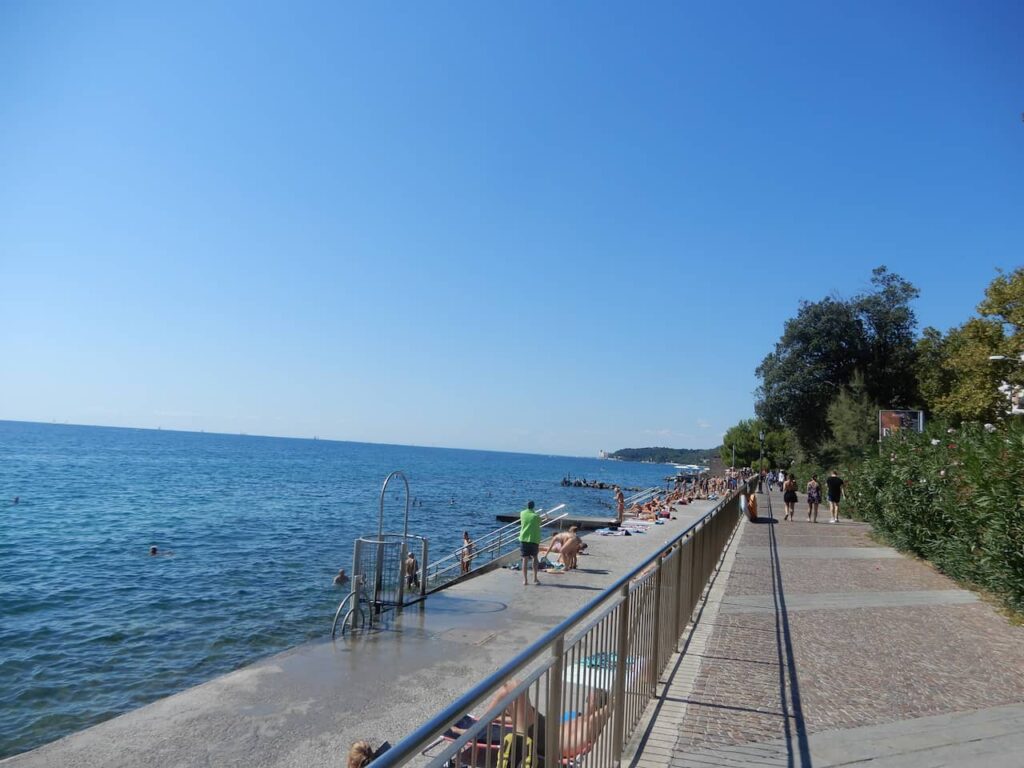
column 621, row 651
column 656, row 655
column 423, row 569
column 554, row 716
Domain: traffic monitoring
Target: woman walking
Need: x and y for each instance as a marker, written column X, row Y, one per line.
column 789, row 496
column 813, row 499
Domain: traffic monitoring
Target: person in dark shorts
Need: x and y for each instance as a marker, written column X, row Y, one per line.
column 529, row 539
column 835, row 494
column 789, row 496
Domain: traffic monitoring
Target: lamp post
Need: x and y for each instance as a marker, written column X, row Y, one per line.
column 760, row 459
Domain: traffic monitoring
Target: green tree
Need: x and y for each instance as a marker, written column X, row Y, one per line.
column 853, row 418
column 779, row 445
column 815, row 359
column 1004, row 303
column 956, row 378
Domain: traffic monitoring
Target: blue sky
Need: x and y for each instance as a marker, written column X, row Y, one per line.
column 541, row 227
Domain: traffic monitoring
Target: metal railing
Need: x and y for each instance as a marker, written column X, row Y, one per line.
column 643, row 496
column 486, row 549
column 580, row 690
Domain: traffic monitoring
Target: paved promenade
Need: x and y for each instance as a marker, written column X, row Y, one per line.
column 818, row 646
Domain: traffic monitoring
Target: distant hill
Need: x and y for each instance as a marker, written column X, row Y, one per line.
column 666, row 455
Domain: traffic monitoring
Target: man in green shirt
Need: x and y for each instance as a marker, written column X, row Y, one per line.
column 529, row 539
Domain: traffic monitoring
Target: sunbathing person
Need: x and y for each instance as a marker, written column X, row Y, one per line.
column 578, row 731
column 570, row 549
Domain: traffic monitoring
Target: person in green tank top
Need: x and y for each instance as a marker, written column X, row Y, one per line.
column 529, row 539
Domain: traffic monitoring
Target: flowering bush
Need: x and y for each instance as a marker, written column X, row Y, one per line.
column 957, row 501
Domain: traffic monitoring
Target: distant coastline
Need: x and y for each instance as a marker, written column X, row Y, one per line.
column 666, row 455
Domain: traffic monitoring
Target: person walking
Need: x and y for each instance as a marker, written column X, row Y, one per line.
column 813, row 499
column 835, row 494
column 789, row 496
column 529, row 539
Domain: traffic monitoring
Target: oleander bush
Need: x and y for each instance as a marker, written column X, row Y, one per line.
column 954, row 497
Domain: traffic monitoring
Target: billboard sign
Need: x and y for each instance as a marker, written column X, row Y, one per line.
column 891, row 422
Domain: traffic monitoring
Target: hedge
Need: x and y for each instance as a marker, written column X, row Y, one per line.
column 954, row 497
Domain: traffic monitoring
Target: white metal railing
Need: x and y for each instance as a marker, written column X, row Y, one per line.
column 642, row 496
column 486, row 549
column 579, row 691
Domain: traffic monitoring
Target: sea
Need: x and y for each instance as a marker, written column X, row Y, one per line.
column 253, row 530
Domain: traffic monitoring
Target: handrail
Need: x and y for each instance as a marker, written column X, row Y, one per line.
column 487, row 549
column 479, row 546
column 408, row 747
column 643, row 495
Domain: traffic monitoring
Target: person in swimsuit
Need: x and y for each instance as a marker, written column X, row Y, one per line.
column 813, row 499
column 789, row 496
column 468, row 549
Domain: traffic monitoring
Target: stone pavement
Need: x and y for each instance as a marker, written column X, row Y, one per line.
column 816, row 646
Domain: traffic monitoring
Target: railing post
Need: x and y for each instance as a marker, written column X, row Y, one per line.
column 621, row 652
column 423, row 571
column 678, row 601
column 656, row 660
column 554, row 716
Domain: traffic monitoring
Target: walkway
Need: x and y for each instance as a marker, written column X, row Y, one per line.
column 818, row 646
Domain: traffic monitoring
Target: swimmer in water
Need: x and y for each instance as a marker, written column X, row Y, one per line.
column 17, row 499
column 341, row 578
column 153, row 551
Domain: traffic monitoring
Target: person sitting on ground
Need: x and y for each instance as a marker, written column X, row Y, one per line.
column 578, row 731
column 362, row 753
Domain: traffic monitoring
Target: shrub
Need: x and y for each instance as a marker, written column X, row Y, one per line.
column 955, row 497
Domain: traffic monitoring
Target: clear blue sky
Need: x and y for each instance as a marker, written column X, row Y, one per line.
column 543, row 227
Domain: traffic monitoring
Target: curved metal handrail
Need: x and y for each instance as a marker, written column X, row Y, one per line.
column 484, row 541
column 494, row 546
column 357, row 589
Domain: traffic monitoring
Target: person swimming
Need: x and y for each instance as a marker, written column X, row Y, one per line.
column 341, row 578
column 153, row 551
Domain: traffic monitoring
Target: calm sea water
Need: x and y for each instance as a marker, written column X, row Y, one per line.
column 91, row 626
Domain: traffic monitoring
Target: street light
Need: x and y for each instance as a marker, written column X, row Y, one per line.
column 760, row 459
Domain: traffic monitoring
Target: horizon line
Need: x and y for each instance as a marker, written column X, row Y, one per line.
column 317, row 438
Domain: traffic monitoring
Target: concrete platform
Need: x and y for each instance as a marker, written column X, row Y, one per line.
column 305, row 706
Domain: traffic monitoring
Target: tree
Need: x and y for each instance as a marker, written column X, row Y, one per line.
column 956, row 377
column 889, row 349
column 1004, row 303
column 957, row 380
column 745, row 436
column 815, row 359
column 853, row 418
